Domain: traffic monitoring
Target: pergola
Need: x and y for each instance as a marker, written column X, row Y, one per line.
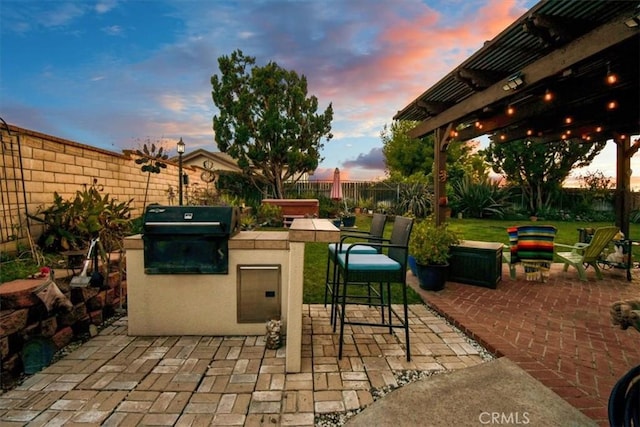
column 563, row 69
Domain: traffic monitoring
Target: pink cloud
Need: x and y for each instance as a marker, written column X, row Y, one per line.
column 412, row 53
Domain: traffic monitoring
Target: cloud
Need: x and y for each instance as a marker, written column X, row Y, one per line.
column 63, row 14
column 105, row 6
column 112, row 30
column 373, row 160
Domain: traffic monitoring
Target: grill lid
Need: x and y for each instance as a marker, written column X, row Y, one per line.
column 202, row 220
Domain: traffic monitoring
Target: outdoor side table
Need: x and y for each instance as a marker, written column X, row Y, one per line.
column 476, row 263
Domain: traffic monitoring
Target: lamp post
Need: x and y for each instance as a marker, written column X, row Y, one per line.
column 180, row 153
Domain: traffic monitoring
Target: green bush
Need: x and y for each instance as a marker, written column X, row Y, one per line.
column 71, row 224
column 270, row 215
column 479, row 199
column 415, row 198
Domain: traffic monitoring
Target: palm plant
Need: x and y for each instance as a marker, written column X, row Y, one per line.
column 479, row 199
column 415, row 198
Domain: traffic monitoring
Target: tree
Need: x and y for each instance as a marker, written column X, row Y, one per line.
column 406, row 156
column 539, row 168
column 266, row 121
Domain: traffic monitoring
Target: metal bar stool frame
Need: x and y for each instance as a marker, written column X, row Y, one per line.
column 374, row 235
column 356, row 269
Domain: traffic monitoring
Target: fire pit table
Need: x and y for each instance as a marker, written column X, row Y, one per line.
column 262, row 279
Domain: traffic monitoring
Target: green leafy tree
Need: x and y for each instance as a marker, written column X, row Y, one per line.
column 266, row 121
column 406, row 156
column 152, row 158
column 539, row 168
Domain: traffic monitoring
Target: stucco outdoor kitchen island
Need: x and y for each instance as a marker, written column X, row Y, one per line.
column 221, row 304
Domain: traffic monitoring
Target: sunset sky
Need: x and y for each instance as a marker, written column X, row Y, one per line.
column 113, row 74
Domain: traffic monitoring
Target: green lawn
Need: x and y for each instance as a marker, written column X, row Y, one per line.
column 470, row 229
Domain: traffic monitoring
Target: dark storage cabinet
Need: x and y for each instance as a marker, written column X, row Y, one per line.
column 476, row 263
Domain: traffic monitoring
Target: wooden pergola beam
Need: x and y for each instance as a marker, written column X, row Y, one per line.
column 602, row 38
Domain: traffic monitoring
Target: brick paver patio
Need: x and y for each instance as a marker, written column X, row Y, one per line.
column 118, row 380
column 559, row 331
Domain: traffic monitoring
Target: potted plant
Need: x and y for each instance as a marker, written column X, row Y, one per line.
column 348, row 218
column 429, row 245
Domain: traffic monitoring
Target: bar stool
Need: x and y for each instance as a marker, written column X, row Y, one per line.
column 374, row 235
column 358, row 269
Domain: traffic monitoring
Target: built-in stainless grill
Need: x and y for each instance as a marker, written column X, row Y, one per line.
column 188, row 239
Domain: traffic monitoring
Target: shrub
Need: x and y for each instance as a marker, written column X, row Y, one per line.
column 71, row 224
column 479, row 199
column 415, row 198
column 270, row 215
column 430, row 244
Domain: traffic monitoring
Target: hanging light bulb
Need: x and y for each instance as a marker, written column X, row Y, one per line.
column 612, row 78
column 568, row 120
column 612, row 105
column 548, row 96
column 511, row 110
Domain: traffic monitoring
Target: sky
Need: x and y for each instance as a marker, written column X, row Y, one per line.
column 114, row 74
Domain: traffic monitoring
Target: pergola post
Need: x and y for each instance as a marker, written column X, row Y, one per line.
column 441, row 141
column 624, row 152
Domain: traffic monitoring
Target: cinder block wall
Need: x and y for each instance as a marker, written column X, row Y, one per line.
column 51, row 164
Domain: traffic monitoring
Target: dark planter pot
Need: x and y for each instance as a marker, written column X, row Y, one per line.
column 336, row 222
column 413, row 266
column 432, row 277
column 348, row 221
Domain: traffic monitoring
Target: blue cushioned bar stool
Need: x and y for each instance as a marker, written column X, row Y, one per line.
column 389, row 266
column 374, row 235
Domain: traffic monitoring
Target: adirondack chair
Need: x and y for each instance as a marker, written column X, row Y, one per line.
column 583, row 255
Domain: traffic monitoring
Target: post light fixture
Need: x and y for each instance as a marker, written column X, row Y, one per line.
column 180, row 148
column 513, row 82
column 633, row 22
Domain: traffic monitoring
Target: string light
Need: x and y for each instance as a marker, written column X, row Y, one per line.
column 568, row 120
column 599, row 129
column 529, row 132
column 612, row 105
column 503, row 137
column 611, row 78
column 548, row 96
column 510, row 110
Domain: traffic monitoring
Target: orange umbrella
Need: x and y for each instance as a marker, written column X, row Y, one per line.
column 336, row 187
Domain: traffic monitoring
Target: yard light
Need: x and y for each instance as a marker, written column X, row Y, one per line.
column 180, row 153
